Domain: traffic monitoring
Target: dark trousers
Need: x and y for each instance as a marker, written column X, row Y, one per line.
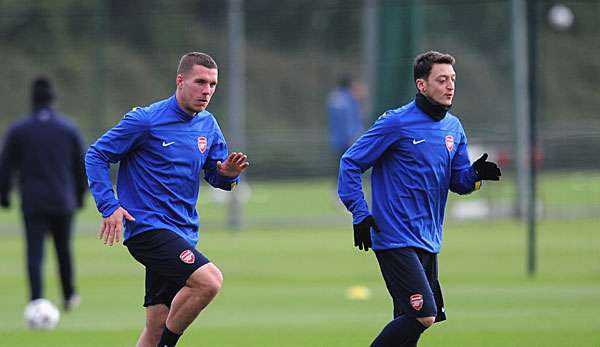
column 36, row 228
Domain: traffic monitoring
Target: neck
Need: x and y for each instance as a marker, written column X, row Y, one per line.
column 181, row 105
column 434, row 110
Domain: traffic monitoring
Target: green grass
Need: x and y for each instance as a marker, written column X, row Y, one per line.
column 285, row 283
column 315, row 202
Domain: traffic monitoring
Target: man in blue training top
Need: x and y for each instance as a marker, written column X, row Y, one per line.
column 162, row 149
column 418, row 152
column 344, row 112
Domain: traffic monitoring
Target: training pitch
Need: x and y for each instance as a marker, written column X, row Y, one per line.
column 287, row 283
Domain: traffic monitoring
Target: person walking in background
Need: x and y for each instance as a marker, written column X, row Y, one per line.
column 162, row 150
column 418, row 153
column 45, row 151
column 345, row 114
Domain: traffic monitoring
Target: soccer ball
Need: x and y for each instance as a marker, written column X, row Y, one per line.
column 41, row 314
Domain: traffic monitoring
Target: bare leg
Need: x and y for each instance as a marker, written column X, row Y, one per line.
column 201, row 287
column 156, row 316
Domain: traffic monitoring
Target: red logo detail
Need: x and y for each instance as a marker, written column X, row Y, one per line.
column 202, row 143
column 416, row 301
column 450, row 142
column 187, row 257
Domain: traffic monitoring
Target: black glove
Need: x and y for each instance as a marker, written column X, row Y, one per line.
column 486, row 170
column 362, row 233
column 4, row 201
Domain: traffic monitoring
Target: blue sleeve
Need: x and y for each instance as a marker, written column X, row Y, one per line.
column 113, row 146
column 360, row 157
column 463, row 178
column 78, row 166
column 335, row 108
column 218, row 152
column 8, row 163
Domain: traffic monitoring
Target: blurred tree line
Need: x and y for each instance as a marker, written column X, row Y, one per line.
column 107, row 56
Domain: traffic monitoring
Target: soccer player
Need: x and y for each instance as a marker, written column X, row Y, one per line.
column 162, row 150
column 344, row 113
column 45, row 151
column 418, row 152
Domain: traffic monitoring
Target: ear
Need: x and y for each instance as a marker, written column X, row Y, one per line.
column 421, row 85
column 179, row 80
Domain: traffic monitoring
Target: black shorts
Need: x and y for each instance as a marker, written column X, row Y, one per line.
column 169, row 261
column 411, row 277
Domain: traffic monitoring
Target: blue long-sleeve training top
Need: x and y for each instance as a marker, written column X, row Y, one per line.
column 162, row 151
column 345, row 123
column 415, row 161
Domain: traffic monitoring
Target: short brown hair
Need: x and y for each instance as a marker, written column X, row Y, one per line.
column 424, row 62
column 195, row 58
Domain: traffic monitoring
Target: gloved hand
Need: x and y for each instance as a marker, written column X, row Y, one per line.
column 362, row 233
column 4, row 201
column 486, row 170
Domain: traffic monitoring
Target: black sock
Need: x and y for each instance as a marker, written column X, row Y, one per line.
column 168, row 338
column 402, row 331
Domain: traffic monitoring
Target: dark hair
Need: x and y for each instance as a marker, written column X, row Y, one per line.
column 195, row 58
column 344, row 81
column 424, row 62
column 42, row 93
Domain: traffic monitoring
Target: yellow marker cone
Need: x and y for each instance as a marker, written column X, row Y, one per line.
column 358, row 293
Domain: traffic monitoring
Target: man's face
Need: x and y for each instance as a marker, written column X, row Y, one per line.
column 195, row 88
column 439, row 86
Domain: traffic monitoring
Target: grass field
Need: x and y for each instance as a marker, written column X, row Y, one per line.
column 286, row 282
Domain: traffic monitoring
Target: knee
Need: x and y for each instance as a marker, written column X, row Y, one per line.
column 208, row 279
column 215, row 280
column 426, row 321
column 214, row 284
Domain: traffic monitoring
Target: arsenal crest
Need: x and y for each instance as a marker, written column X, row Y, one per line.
column 187, row 257
column 416, row 301
column 450, row 142
column 202, row 143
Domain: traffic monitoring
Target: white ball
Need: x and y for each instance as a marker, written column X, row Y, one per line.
column 41, row 314
column 560, row 17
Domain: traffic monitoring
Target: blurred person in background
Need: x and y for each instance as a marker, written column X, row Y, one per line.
column 163, row 149
column 345, row 114
column 45, row 151
column 418, row 153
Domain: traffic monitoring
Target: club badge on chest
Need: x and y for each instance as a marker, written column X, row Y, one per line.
column 202, row 144
column 450, row 142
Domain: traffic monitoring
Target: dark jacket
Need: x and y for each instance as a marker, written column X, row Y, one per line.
column 45, row 149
